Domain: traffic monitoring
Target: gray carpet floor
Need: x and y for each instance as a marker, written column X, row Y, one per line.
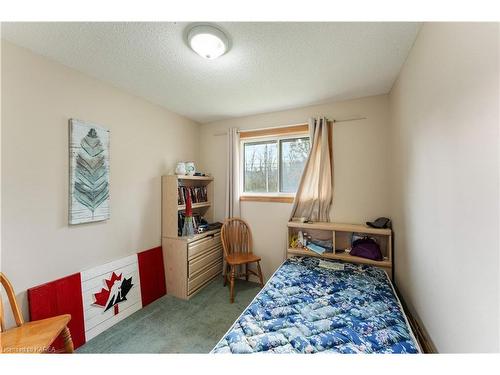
column 172, row 325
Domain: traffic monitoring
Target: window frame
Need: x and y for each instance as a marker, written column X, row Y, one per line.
column 270, row 196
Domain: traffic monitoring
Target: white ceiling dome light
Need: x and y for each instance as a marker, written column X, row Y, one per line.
column 208, row 41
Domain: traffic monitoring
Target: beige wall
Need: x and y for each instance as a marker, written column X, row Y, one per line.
column 38, row 98
column 445, row 174
column 361, row 152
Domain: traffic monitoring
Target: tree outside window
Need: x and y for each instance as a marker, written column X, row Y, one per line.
column 275, row 165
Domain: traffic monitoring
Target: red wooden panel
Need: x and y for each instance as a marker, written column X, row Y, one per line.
column 62, row 296
column 152, row 275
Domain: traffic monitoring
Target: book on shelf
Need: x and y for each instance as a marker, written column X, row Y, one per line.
column 317, row 249
column 199, row 194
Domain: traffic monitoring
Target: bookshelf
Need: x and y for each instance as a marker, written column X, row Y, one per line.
column 170, row 206
column 190, row 261
column 340, row 234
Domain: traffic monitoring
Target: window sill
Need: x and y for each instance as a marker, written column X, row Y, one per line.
column 266, row 198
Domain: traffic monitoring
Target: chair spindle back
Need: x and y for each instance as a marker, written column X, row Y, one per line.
column 236, row 237
column 12, row 301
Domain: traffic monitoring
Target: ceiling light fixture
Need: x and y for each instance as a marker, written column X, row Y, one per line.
column 208, row 41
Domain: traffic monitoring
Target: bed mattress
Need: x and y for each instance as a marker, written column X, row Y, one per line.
column 305, row 308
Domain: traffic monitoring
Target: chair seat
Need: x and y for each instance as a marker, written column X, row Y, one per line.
column 241, row 258
column 33, row 337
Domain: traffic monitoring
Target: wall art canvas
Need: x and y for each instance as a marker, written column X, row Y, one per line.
column 89, row 172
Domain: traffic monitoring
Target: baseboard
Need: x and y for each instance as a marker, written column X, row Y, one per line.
column 417, row 326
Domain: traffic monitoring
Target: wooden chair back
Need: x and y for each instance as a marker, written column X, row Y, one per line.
column 236, row 237
column 12, row 301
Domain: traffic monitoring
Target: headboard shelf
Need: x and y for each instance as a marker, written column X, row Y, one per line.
column 340, row 235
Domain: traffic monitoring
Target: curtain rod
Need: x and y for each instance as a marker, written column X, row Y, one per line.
column 287, row 126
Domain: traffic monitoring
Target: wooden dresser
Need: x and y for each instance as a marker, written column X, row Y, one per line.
column 190, row 262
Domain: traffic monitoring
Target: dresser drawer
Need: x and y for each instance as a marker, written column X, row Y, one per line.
column 198, row 281
column 199, row 263
column 197, row 247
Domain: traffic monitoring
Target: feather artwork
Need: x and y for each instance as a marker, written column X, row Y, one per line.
column 91, row 183
column 90, row 173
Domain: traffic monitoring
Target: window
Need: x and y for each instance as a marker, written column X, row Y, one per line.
column 272, row 165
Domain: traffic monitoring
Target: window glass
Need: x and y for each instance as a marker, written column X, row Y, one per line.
column 260, row 166
column 294, row 154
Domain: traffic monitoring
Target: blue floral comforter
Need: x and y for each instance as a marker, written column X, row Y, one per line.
column 305, row 308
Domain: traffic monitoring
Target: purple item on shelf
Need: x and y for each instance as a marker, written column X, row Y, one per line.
column 366, row 248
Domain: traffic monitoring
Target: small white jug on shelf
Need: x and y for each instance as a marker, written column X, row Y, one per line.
column 181, row 168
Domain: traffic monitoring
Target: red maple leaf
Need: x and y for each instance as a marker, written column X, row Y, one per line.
column 101, row 298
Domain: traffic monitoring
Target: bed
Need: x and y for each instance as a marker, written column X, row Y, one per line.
column 305, row 308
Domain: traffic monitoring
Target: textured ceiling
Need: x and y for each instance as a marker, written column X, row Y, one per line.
column 271, row 66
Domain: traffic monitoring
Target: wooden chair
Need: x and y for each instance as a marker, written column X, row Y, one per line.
column 31, row 337
column 237, row 243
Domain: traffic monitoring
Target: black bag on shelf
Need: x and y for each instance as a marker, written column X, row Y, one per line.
column 366, row 248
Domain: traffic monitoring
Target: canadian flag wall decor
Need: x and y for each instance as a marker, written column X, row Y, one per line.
column 101, row 296
column 111, row 292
